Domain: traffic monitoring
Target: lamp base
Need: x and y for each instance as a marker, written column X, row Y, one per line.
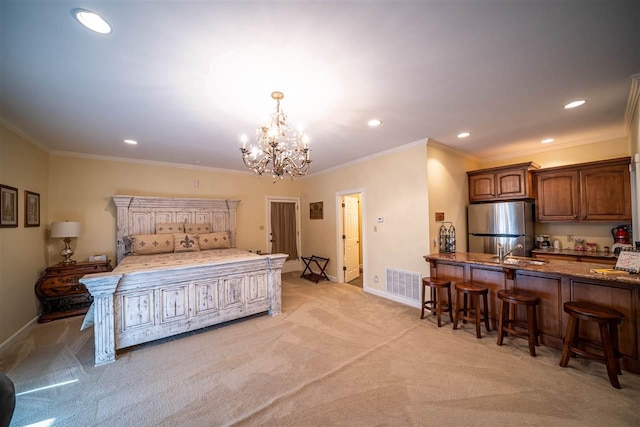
column 66, row 253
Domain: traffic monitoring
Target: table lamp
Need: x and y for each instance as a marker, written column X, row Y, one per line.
column 65, row 230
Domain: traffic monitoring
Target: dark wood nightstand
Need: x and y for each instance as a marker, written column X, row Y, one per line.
column 60, row 293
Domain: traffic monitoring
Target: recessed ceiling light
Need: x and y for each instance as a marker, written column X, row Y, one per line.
column 547, row 140
column 92, row 21
column 374, row 123
column 131, row 141
column 464, row 134
column 574, row 104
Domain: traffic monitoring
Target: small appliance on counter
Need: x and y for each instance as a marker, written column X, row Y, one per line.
column 543, row 241
column 621, row 238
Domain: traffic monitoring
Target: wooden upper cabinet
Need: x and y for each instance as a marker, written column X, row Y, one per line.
column 598, row 191
column 503, row 183
column 557, row 195
column 482, row 187
column 605, row 193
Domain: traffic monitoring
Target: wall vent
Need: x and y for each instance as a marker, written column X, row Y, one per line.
column 403, row 283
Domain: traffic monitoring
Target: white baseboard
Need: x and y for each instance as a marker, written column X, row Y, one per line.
column 392, row 297
column 19, row 334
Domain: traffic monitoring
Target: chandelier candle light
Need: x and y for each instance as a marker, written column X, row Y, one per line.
column 279, row 150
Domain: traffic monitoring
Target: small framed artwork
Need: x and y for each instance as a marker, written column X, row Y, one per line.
column 8, row 206
column 31, row 209
column 316, row 211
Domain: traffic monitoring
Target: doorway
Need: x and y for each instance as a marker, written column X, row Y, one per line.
column 350, row 237
column 283, row 230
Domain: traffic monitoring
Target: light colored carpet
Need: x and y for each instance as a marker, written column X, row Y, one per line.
column 336, row 356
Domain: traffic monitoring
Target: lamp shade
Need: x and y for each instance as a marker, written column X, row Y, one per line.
column 64, row 229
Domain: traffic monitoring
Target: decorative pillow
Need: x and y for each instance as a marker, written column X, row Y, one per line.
column 185, row 242
column 169, row 227
column 218, row 240
column 147, row 244
column 197, row 228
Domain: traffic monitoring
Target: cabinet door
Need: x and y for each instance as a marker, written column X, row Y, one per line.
column 557, row 196
column 605, row 193
column 512, row 184
column 482, row 187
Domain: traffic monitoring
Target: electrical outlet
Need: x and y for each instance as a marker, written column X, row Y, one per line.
column 569, row 238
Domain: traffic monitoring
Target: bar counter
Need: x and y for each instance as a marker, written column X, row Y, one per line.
column 555, row 282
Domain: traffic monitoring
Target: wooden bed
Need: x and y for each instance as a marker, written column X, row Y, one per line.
column 148, row 297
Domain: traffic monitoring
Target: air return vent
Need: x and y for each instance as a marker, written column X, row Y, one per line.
column 403, row 283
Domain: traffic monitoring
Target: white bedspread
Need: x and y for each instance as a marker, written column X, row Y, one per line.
column 138, row 263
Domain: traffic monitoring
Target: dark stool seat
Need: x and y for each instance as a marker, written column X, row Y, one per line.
column 436, row 304
column 471, row 313
column 509, row 325
column 608, row 320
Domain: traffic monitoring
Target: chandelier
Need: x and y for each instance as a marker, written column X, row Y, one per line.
column 279, row 150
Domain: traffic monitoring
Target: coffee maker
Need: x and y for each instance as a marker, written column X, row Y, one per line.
column 621, row 238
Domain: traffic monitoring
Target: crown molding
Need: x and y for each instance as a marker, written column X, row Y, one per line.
column 145, row 162
column 22, row 134
column 370, row 157
column 632, row 101
column 441, row 146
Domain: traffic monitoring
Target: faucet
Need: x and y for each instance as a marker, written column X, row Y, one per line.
column 502, row 255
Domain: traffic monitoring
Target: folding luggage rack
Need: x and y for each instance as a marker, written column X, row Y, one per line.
column 320, row 263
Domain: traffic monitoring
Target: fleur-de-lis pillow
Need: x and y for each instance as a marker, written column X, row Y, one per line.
column 169, row 227
column 148, row 244
column 197, row 228
column 217, row 240
column 185, row 242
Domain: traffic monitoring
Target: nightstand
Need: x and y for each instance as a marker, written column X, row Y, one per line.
column 60, row 293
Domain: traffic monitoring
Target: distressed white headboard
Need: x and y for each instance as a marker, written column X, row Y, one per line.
column 139, row 215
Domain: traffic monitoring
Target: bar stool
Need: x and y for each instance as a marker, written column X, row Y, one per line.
column 507, row 325
column 608, row 320
column 436, row 305
column 472, row 313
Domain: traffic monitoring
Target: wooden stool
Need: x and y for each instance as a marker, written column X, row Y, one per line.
column 608, row 320
column 506, row 324
column 475, row 291
column 436, row 286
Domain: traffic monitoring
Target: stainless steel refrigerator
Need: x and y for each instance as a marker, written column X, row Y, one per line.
column 508, row 223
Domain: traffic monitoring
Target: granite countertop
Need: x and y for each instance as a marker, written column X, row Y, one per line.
column 559, row 267
column 571, row 252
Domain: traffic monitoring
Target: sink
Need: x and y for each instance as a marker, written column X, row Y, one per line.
column 517, row 260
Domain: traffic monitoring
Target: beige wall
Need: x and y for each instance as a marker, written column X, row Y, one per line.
column 609, row 149
column 394, row 186
column 81, row 190
column 22, row 250
column 448, row 192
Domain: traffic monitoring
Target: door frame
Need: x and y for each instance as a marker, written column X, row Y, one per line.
column 340, row 231
column 293, row 265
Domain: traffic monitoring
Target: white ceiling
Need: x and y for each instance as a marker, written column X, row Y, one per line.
column 186, row 78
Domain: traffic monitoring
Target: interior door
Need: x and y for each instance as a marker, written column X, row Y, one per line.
column 284, row 235
column 352, row 238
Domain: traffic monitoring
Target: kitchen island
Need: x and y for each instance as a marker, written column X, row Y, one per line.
column 555, row 282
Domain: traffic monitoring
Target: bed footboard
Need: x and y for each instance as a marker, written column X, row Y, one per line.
column 134, row 308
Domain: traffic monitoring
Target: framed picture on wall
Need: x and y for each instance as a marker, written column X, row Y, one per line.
column 316, row 211
column 31, row 209
column 8, row 206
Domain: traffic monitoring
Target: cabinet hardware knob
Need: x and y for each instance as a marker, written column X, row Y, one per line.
column 584, row 216
column 575, row 216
